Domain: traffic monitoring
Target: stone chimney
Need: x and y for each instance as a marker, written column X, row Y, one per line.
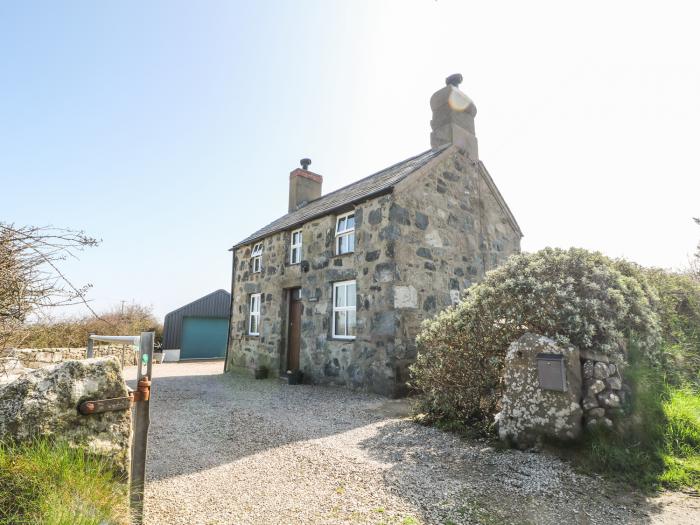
column 304, row 186
column 453, row 118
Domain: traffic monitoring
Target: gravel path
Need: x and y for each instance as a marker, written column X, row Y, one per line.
column 226, row 449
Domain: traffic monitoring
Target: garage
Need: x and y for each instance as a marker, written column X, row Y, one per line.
column 203, row 338
column 199, row 329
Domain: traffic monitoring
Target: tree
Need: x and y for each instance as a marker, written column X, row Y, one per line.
column 30, row 277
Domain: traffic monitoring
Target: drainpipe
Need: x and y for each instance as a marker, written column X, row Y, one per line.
column 230, row 307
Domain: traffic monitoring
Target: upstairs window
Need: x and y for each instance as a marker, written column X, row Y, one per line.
column 295, row 248
column 345, row 234
column 344, row 298
column 256, row 257
column 254, row 315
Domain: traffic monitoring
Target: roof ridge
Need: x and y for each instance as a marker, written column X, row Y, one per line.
column 409, row 159
column 197, row 300
column 381, row 181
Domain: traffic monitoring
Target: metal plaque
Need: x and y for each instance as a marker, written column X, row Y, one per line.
column 551, row 371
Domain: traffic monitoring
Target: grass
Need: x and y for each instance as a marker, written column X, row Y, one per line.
column 45, row 483
column 682, row 452
column 659, row 446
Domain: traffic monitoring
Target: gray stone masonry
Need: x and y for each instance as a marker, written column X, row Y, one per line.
column 530, row 412
column 604, row 394
column 41, row 357
column 453, row 119
column 416, row 249
column 596, row 394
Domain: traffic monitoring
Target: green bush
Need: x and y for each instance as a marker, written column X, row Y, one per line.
column 678, row 307
column 659, row 445
column 573, row 296
column 53, row 484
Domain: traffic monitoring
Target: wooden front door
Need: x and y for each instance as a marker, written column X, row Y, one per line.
column 294, row 330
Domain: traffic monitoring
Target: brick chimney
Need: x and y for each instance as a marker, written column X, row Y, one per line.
column 304, row 186
column 453, row 118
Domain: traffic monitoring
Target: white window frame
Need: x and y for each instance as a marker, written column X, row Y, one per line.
column 295, row 248
column 254, row 313
column 345, row 308
column 345, row 233
column 256, row 257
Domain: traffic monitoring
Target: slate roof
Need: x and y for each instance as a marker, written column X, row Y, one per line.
column 360, row 190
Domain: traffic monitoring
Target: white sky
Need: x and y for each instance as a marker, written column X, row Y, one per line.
column 587, row 120
column 587, row 116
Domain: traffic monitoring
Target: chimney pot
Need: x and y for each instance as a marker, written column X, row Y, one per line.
column 305, row 163
column 454, row 80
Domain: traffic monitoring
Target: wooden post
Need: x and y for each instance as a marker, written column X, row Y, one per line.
column 142, row 419
column 90, row 347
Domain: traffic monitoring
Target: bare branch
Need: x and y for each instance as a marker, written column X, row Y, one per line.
column 30, row 274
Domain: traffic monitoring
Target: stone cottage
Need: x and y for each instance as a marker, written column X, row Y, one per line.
column 339, row 285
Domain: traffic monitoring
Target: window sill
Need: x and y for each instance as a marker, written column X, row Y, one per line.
column 343, row 339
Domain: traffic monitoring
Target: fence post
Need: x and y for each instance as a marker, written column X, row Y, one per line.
column 90, row 347
column 142, row 420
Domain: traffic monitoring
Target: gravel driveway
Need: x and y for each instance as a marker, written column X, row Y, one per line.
column 226, row 449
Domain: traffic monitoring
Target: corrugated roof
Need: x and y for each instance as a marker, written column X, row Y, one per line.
column 357, row 191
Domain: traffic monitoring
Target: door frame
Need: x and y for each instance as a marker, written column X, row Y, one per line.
column 285, row 362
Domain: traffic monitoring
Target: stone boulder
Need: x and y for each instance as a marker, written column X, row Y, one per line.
column 10, row 369
column 44, row 402
column 530, row 411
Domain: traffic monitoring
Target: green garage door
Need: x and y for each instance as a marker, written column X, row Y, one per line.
column 203, row 338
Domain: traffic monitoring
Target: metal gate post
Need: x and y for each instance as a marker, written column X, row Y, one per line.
column 142, row 420
column 90, row 346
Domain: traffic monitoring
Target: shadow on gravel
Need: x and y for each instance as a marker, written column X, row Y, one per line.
column 199, row 422
column 457, row 481
column 202, row 421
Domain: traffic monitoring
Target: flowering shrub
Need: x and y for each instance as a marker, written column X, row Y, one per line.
column 573, row 296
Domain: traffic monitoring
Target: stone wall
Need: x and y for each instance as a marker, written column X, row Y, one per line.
column 44, row 402
column 41, row 357
column 595, row 394
column 604, row 393
column 322, row 358
column 450, row 226
column 416, row 249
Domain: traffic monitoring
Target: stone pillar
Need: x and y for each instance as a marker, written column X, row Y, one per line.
column 44, row 402
column 542, row 392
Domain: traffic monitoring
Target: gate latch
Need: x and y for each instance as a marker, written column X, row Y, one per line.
column 142, row 392
column 98, row 406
